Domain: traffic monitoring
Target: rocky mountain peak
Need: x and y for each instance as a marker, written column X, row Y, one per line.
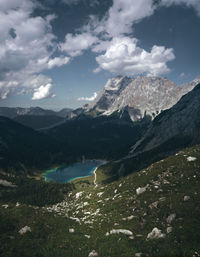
column 141, row 95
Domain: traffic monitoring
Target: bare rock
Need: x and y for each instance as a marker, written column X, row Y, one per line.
column 24, row 230
column 140, row 190
column 93, row 253
column 186, row 198
column 169, row 230
column 191, row 159
column 155, row 234
column 171, row 217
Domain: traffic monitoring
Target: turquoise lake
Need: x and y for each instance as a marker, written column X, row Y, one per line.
column 69, row 173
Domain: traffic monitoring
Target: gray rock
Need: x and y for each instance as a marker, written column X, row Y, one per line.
column 155, row 234
column 93, row 253
column 186, row 198
column 170, row 218
column 140, row 190
column 24, row 230
column 138, row 254
column 138, row 96
column 169, row 230
column 182, row 119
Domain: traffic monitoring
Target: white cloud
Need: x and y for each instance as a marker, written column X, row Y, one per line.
column 6, row 5
column 27, row 43
column 117, row 52
column 75, row 44
column 182, row 75
column 123, row 14
column 189, row 3
column 92, row 98
column 124, row 57
column 43, row 92
column 26, row 46
column 58, row 61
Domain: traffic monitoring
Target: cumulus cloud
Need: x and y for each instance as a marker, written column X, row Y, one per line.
column 124, row 57
column 27, row 43
column 58, row 61
column 43, row 92
column 75, row 44
column 13, row 4
column 123, row 14
column 117, row 51
column 26, row 46
column 92, row 98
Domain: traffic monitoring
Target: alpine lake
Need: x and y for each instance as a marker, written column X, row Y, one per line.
column 68, row 173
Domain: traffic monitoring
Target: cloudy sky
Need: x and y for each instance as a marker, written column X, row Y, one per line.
column 60, row 53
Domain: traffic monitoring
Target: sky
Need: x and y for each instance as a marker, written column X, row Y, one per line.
column 60, row 53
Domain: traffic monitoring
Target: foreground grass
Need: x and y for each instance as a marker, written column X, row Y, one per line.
column 172, row 187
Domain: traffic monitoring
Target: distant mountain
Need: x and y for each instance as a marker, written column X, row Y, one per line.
column 171, row 131
column 36, row 117
column 12, row 112
column 64, row 113
column 141, row 96
column 38, row 121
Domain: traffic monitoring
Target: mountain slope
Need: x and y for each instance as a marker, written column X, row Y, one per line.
column 100, row 137
column 115, row 219
column 142, row 95
column 38, row 121
column 169, row 132
column 12, row 112
column 22, row 149
column 182, row 119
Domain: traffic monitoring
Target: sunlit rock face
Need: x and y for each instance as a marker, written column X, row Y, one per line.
column 139, row 96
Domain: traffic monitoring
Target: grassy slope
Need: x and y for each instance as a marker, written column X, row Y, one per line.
column 168, row 182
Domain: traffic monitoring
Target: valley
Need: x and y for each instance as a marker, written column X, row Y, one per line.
column 99, row 128
column 145, row 196
column 163, row 198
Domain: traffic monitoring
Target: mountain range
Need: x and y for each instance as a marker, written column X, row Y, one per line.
column 36, row 117
column 168, row 133
column 140, row 125
column 143, row 202
column 141, row 96
column 12, row 112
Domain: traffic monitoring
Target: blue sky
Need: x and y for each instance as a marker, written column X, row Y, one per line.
column 58, row 54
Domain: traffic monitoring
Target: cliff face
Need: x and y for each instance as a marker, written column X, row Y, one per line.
column 140, row 96
column 182, row 119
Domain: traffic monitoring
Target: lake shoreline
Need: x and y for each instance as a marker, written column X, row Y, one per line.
column 91, row 172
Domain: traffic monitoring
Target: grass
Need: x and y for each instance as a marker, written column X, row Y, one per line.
column 106, row 207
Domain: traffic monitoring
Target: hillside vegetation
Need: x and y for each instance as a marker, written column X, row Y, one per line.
column 154, row 212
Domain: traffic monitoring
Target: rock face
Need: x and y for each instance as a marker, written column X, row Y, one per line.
column 181, row 122
column 140, row 96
